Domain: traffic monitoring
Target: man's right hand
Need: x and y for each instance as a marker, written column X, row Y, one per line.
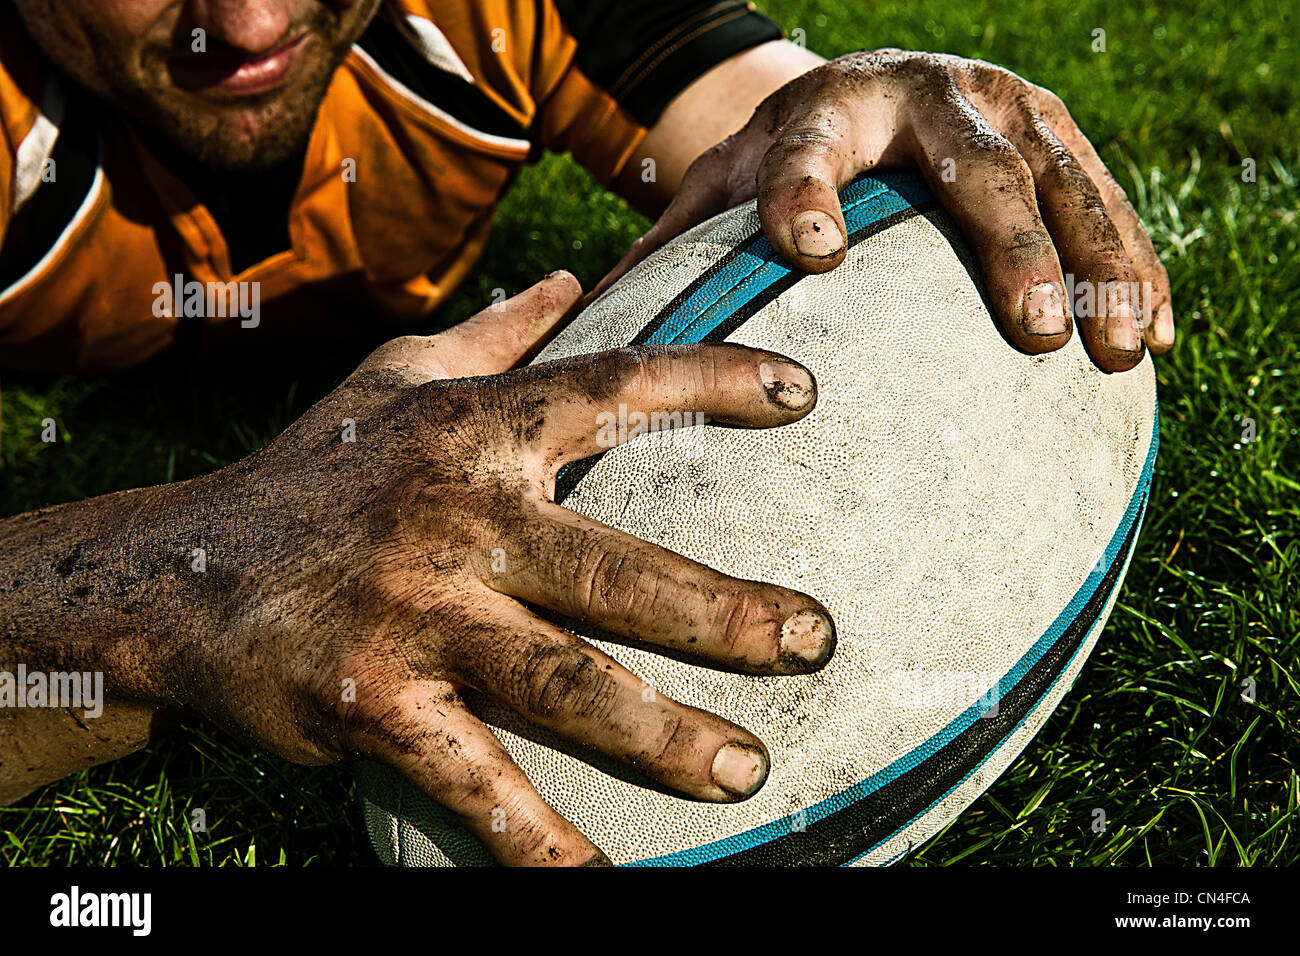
column 399, row 563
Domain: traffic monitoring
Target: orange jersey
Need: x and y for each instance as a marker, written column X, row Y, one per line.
column 107, row 256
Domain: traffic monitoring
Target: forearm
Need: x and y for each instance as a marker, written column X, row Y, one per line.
column 93, row 599
column 706, row 112
column 39, row 746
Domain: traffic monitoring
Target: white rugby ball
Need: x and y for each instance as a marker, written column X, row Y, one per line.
column 965, row 511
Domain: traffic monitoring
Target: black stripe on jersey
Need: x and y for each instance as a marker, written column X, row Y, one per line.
column 36, row 227
column 451, row 93
column 645, row 52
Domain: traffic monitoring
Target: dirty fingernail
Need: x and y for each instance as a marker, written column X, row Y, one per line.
column 816, row 235
column 739, row 770
column 1121, row 329
column 788, row 385
column 1044, row 310
column 808, row 636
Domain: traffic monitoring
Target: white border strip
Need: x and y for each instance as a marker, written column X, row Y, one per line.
column 434, row 46
column 37, row 145
column 423, row 104
column 87, row 204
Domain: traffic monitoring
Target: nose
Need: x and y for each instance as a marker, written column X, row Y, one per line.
column 250, row 26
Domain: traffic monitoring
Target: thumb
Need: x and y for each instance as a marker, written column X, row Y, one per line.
column 494, row 340
column 508, row 333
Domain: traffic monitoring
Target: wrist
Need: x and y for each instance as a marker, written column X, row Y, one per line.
column 108, row 586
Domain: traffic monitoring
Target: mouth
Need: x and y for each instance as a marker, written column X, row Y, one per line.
column 237, row 76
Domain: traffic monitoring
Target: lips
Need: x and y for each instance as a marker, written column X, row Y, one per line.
column 237, row 76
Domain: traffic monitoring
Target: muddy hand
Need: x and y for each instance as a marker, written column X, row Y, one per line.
column 1002, row 155
column 372, row 563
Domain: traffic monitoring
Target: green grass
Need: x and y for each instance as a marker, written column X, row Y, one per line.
column 1156, row 733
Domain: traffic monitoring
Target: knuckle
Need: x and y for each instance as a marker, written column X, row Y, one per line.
column 393, row 351
column 1020, row 111
column 447, row 407
column 800, row 141
column 840, row 80
column 1055, row 161
column 615, row 584
column 710, row 363
column 886, row 64
column 865, row 67
column 560, row 289
column 994, row 85
column 705, row 165
column 676, row 745
column 1049, row 104
column 1030, row 248
column 738, row 616
column 405, row 342
column 394, row 348
column 355, row 695
column 426, row 502
column 1018, row 172
column 1092, row 206
column 660, row 372
column 1007, row 166
column 603, row 376
column 999, row 78
column 552, row 549
column 1072, row 188
column 555, row 681
column 475, row 421
column 922, row 68
column 1059, row 156
column 1103, row 234
column 637, row 369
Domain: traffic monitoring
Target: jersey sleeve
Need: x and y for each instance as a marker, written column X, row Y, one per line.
column 608, row 69
column 26, row 141
column 18, row 116
column 588, row 77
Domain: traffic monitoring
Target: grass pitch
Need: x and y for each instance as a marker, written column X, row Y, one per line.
column 1183, row 728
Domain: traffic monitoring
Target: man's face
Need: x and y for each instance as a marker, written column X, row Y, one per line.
column 237, row 83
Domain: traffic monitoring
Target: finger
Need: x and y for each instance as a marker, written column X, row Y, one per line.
column 798, row 197
column 491, row 341
column 560, row 682
column 588, row 403
column 449, row 755
column 1157, row 306
column 991, row 195
column 700, row 196
column 1105, row 294
column 590, row 572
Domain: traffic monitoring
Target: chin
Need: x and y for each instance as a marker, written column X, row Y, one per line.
column 249, row 157
column 239, row 140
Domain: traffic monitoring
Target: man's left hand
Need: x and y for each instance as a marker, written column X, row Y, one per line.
column 1002, row 155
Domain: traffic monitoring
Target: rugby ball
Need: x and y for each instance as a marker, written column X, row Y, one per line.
column 966, row 512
